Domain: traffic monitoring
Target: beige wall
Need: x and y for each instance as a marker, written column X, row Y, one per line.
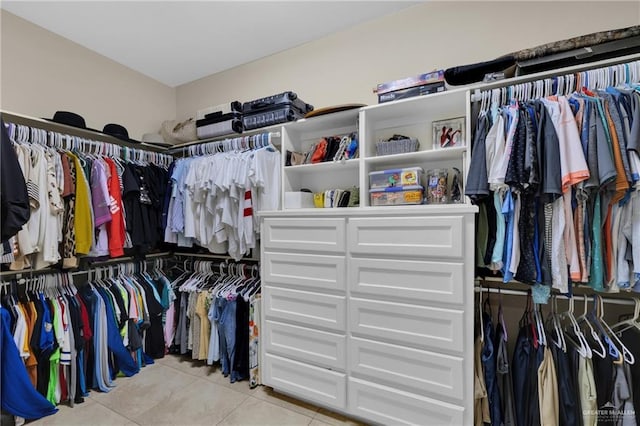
column 346, row 66
column 43, row 73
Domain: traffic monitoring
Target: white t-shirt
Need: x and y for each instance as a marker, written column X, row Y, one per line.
column 265, row 177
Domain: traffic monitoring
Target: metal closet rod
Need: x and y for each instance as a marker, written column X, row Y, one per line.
column 605, row 65
column 184, row 147
column 213, row 257
column 83, row 269
column 510, row 292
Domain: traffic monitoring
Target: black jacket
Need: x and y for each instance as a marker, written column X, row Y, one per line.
column 13, row 190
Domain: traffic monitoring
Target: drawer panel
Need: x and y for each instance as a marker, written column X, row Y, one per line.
column 306, row 381
column 304, row 270
column 309, row 234
column 408, row 324
column 409, row 279
column 390, row 406
column 439, row 236
column 317, row 347
column 307, row 308
column 424, row 371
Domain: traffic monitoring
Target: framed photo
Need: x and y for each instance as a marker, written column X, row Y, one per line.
column 449, row 133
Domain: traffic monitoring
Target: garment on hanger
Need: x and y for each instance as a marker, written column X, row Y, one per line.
column 75, row 199
column 563, row 172
column 19, row 397
column 13, row 193
column 215, row 318
column 214, row 197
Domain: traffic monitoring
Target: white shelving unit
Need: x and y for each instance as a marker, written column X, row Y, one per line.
column 411, row 117
column 365, row 310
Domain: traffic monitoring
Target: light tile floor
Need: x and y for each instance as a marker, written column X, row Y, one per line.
column 178, row 391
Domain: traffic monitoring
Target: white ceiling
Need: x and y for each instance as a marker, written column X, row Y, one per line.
column 176, row 42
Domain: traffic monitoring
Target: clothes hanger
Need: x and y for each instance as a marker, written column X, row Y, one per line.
column 623, row 352
column 584, row 319
column 583, row 349
column 553, row 323
column 631, row 322
column 595, row 318
column 480, row 317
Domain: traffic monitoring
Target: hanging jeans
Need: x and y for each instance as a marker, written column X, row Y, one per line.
column 490, row 374
column 566, row 387
column 225, row 315
column 522, row 354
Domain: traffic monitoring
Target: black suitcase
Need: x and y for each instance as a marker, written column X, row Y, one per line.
column 285, row 98
column 274, row 115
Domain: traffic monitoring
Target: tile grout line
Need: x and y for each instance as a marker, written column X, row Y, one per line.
column 118, row 413
column 234, row 409
column 289, row 409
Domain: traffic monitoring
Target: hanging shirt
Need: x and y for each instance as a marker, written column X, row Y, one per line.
column 14, row 200
column 83, row 224
column 116, row 226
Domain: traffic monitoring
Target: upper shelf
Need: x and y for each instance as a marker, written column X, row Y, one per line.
column 419, row 156
column 447, row 104
column 52, row 126
column 327, row 165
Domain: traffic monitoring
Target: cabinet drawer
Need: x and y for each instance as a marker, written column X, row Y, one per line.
column 439, row 236
column 317, row 347
column 312, row 234
column 390, row 406
column 408, row 324
column 306, row 381
column 408, row 279
column 304, row 270
column 312, row 309
column 423, row 371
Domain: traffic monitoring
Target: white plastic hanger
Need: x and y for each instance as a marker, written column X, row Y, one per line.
column 584, row 349
column 584, row 319
column 631, row 322
column 480, row 315
column 625, row 353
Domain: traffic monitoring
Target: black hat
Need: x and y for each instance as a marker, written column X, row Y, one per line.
column 70, row 119
column 118, row 131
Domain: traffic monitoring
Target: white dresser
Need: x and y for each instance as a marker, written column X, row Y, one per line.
column 369, row 311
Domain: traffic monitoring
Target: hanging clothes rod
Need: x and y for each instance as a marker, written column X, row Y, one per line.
column 60, row 136
column 593, row 76
column 213, row 257
column 84, row 268
column 218, row 140
column 51, row 126
column 509, row 292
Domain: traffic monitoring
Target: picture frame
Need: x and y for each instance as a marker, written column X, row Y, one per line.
column 449, row 133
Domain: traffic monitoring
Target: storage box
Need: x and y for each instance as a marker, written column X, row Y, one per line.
column 410, row 92
column 395, row 177
column 397, row 146
column 298, row 200
column 405, row 83
column 399, row 195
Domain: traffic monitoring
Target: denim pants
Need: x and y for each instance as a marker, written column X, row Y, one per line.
column 225, row 315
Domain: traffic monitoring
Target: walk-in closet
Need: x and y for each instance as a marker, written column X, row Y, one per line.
column 320, row 213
